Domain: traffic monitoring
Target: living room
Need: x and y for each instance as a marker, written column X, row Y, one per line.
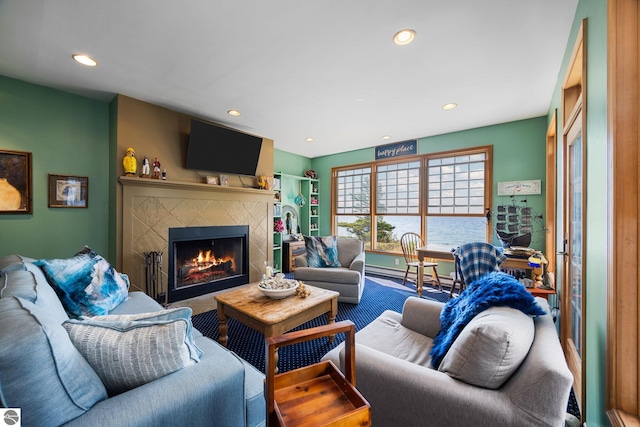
column 78, row 135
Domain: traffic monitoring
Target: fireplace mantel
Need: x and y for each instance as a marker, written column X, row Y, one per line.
column 125, row 181
column 150, row 207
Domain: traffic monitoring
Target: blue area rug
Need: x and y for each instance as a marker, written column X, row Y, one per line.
column 379, row 294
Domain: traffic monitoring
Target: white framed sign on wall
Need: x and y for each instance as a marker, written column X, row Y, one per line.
column 514, row 188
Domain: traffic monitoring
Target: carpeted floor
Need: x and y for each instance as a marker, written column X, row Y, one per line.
column 379, row 294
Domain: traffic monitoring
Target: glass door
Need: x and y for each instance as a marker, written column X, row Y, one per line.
column 573, row 292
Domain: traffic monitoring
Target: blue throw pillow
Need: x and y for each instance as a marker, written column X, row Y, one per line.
column 86, row 284
column 322, row 251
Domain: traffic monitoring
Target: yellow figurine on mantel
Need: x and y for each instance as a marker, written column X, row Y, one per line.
column 130, row 163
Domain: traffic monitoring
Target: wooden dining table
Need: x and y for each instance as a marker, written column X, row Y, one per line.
column 445, row 253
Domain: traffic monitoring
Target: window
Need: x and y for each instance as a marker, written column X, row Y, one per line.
column 353, row 204
column 456, row 184
column 442, row 196
column 397, row 203
column 398, row 188
column 457, row 199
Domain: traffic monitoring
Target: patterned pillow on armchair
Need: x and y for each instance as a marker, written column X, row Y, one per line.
column 322, row 251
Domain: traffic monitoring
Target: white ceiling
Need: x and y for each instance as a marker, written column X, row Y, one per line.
column 296, row 69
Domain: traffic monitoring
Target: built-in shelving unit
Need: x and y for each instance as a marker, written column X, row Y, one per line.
column 309, row 212
column 288, row 189
column 277, row 215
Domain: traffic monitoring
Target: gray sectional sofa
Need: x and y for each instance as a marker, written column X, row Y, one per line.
column 43, row 374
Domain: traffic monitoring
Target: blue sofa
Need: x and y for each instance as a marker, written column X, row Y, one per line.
column 42, row 373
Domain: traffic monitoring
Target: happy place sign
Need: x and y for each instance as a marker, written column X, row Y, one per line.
column 397, row 149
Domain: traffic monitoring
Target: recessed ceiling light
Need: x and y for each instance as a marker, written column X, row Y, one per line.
column 404, row 37
column 85, row 60
column 309, row 139
column 234, row 113
column 386, row 137
column 449, row 106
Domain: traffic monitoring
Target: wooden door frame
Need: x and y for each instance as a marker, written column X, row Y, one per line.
column 551, row 193
column 623, row 303
column 574, row 112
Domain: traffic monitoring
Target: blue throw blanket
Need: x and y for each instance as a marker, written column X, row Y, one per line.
column 493, row 289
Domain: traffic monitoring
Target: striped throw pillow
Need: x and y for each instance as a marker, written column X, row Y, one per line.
column 127, row 351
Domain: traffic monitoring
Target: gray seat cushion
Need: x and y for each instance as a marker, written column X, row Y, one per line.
column 254, row 403
column 387, row 335
column 336, row 275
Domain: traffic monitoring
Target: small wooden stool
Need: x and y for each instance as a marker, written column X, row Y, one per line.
column 319, row 394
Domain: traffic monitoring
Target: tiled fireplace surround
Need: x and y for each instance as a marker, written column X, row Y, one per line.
column 151, row 207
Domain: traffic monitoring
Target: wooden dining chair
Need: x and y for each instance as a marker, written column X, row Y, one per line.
column 410, row 242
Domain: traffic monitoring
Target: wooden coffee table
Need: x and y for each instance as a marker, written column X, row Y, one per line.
column 273, row 317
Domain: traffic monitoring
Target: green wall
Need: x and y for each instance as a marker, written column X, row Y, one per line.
column 595, row 278
column 518, row 154
column 291, row 164
column 67, row 135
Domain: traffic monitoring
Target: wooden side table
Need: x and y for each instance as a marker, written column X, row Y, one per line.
column 319, row 394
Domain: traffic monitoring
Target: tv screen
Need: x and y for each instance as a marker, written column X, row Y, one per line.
column 218, row 149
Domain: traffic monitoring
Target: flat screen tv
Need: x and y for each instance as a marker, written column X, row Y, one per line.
column 219, row 149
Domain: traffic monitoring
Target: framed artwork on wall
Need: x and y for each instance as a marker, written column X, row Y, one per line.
column 66, row 191
column 15, row 182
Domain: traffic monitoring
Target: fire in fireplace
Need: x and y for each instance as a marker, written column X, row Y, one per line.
column 207, row 259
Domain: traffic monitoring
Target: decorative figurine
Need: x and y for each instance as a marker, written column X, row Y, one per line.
column 164, row 174
column 288, row 223
column 156, row 169
column 263, row 183
column 129, row 162
column 145, row 167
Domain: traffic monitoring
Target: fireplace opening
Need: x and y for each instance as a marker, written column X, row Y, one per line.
column 207, row 259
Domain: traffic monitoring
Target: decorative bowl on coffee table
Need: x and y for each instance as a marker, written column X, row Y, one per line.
column 278, row 289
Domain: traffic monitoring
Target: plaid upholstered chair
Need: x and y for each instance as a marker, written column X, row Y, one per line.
column 474, row 260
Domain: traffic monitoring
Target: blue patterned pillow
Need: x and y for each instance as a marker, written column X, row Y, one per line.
column 322, row 251
column 86, row 284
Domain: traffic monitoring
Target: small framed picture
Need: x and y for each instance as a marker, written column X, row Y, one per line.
column 224, row 180
column 277, row 210
column 66, row 191
column 15, row 182
column 213, row 180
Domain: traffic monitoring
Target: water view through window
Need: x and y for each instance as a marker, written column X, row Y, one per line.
column 441, row 230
